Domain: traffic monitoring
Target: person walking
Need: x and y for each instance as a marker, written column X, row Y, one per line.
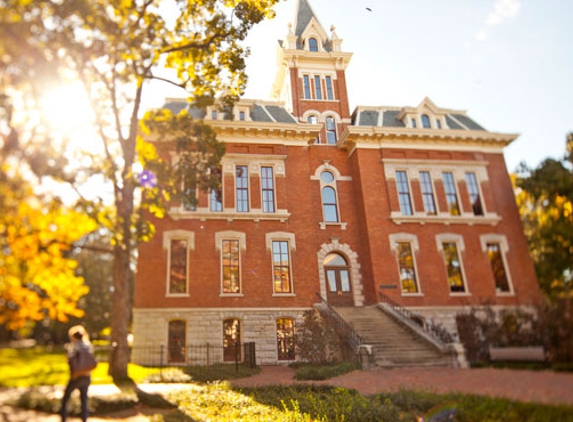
column 82, row 361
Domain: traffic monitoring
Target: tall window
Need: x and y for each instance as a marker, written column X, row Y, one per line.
column 314, row 120
column 178, row 264
column 453, row 267
column 285, row 339
column 216, row 195
column 306, row 86
column 451, row 195
column 312, row 44
column 230, row 257
column 427, row 193
column 242, row 186
column 330, row 130
column 329, row 203
column 408, row 280
column 176, row 341
column 329, row 92
column 232, row 340
column 281, row 267
column 498, row 268
column 473, row 191
column 425, row 121
column 403, row 193
column 268, row 189
column 317, row 88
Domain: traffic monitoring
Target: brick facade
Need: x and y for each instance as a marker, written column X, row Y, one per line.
column 366, row 232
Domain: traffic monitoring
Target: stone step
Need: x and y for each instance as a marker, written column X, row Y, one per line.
column 393, row 344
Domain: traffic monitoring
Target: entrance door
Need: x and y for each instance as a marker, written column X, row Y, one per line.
column 339, row 292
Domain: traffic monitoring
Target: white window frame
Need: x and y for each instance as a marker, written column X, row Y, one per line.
column 504, row 249
column 415, row 248
column 168, row 236
column 460, row 248
column 231, row 235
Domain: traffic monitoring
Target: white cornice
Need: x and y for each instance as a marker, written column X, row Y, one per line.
column 288, row 133
column 375, row 137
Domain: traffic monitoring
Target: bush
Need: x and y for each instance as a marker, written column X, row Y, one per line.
column 317, row 373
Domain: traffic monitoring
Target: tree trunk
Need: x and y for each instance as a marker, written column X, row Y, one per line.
column 121, row 299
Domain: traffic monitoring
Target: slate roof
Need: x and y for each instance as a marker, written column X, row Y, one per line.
column 304, row 15
column 371, row 117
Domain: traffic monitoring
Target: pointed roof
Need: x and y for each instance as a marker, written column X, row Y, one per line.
column 303, row 15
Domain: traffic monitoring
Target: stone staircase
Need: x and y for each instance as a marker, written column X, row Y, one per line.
column 392, row 343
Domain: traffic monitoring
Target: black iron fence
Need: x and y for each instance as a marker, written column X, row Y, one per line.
column 200, row 361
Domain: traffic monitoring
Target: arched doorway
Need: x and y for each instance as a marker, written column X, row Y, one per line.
column 338, row 283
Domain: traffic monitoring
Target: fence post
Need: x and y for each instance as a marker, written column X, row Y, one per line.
column 161, row 361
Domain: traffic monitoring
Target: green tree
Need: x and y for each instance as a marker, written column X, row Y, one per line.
column 545, row 200
column 115, row 47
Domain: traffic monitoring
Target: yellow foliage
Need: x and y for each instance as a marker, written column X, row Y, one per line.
column 37, row 280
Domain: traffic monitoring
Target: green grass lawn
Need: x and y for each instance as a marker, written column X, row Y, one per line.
column 38, row 366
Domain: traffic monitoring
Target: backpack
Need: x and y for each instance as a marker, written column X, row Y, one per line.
column 83, row 361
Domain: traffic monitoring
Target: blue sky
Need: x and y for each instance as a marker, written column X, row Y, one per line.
column 509, row 63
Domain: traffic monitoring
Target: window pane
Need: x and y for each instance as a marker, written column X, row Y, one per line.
column 427, row 193
column 326, row 177
column 344, row 280
column 425, row 121
column 473, row 192
column 230, row 266
column 176, row 342
column 231, row 340
column 407, row 269
column 334, row 260
column 281, row 267
column 403, row 193
column 497, row 267
column 331, row 275
column 330, row 130
column 317, row 88
column 178, row 266
column 312, row 44
column 242, row 186
column 454, row 268
column 268, row 188
column 329, row 204
column 216, row 196
column 285, row 339
column 451, row 195
column 329, row 93
column 306, row 85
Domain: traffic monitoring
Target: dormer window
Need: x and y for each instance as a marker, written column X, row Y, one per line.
column 426, row 121
column 241, row 115
column 413, row 122
column 312, row 44
column 439, row 123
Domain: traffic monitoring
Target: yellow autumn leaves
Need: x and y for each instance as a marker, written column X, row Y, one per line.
column 37, row 279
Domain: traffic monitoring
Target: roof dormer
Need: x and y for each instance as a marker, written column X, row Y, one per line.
column 425, row 116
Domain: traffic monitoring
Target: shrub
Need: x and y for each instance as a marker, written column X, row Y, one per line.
column 317, row 373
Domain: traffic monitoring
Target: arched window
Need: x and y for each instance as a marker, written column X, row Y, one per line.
column 337, row 279
column 176, row 341
column 330, row 131
column 329, row 203
column 425, row 121
column 313, row 119
column 285, row 339
column 312, row 44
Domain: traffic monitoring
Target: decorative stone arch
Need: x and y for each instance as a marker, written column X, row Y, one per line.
column 352, row 257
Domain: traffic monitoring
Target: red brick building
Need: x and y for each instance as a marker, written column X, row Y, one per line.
column 412, row 202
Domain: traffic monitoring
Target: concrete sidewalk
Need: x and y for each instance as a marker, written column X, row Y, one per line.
column 527, row 386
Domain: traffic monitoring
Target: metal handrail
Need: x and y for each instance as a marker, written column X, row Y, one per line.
column 435, row 332
column 352, row 337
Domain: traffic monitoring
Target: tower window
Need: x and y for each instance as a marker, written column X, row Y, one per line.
column 317, row 88
column 426, row 121
column 329, row 92
column 312, row 44
column 306, row 86
column 330, row 131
